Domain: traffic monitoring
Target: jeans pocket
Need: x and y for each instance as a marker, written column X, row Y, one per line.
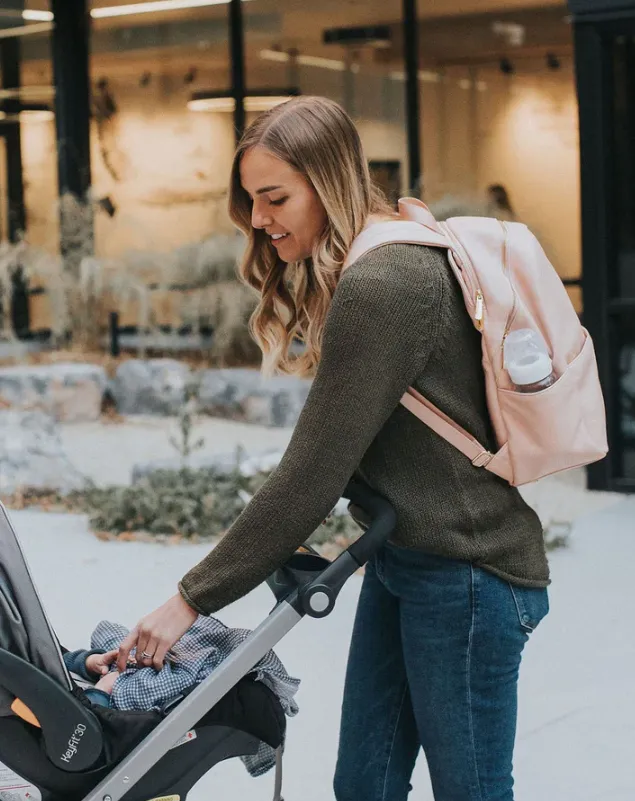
column 532, row 605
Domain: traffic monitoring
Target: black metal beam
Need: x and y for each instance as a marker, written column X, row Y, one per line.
column 70, row 46
column 594, row 80
column 10, row 63
column 413, row 119
column 10, row 57
column 237, row 64
column 70, row 49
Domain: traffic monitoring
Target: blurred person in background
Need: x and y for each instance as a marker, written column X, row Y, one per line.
column 498, row 203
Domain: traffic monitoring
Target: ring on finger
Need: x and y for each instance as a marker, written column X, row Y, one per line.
column 146, row 655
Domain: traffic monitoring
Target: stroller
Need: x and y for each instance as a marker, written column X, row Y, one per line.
column 51, row 735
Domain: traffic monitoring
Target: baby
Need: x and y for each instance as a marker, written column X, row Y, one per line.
column 190, row 661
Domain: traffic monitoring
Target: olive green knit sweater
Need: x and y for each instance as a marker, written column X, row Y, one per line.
column 397, row 319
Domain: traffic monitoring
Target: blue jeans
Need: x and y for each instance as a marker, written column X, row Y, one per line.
column 434, row 663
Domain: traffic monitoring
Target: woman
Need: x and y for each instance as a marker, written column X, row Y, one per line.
column 447, row 606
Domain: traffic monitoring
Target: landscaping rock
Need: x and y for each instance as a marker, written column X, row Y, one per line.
column 224, row 392
column 153, row 386
column 32, row 455
column 70, row 392
column 244, row 394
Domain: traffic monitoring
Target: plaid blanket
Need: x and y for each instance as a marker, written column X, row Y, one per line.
column 191, row 660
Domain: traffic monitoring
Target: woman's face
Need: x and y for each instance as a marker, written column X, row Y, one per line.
column 285, row 205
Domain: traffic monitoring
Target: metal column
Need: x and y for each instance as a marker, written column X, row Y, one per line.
column 411, row 64
column 10, row 58
column 237, row 63
column 70, row 45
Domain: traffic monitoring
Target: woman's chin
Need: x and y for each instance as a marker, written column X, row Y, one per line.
column 289, row 253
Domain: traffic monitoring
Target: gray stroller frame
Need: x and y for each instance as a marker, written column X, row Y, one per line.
column 71, row 738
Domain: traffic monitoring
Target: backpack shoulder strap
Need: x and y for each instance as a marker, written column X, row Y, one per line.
column 446, row 428
column 393, row 232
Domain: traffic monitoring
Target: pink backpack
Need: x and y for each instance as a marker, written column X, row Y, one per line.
column 508, row 284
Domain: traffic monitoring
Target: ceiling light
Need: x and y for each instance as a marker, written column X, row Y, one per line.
column 212, row 104
column 28, row 115
column 262, row 100
column 265, row 103
column 152, row 7
column 427, row 76
column 37, row 115
column 37, row 16
column 513, row 33
column 28, row 93
column 274, row 55
column 25, row 30
column 308, row 61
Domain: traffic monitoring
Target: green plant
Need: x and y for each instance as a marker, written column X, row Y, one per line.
column 200, row 503
column 186, row 422
column 556, row 534
column 191, row 503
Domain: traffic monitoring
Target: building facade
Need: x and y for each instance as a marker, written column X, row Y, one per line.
column 134, row 108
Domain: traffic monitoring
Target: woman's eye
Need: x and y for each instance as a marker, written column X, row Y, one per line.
column 278, row 202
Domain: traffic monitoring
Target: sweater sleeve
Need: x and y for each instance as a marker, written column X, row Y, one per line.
column 75, row 662
column 379, row 333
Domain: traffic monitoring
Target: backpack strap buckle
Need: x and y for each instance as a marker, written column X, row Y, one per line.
column 483, row 459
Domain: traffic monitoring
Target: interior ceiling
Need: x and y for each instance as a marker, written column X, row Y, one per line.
column 199, row 36
column 359, row 9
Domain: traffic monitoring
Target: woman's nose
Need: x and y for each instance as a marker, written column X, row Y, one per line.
column 259, row 219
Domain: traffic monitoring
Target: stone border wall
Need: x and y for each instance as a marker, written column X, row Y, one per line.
column 72, row 392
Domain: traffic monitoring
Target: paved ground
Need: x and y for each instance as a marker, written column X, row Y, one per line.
column 577, row 710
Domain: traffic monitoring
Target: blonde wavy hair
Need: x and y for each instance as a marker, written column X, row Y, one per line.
column 317, row 138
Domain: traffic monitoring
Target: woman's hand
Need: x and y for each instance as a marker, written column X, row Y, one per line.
column 155, row 634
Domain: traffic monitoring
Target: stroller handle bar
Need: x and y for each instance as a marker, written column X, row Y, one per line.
column 383, row 523
column 316, row 580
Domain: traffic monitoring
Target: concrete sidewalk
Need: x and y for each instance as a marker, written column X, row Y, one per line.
column 577, row 705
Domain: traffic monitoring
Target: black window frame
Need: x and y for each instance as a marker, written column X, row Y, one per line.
column 595, row 32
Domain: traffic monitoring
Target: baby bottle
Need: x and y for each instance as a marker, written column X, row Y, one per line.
column 527, row 361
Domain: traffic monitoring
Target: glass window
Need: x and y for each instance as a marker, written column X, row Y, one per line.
column 494, row 113
column 28, row 173
column 623, row 281
column 626, row 368
column 159, row 168
column 27, row 99
column 321, row 50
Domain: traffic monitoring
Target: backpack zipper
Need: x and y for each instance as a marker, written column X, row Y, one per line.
column 507, row 273
column 474, row 290
column 479, row 310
